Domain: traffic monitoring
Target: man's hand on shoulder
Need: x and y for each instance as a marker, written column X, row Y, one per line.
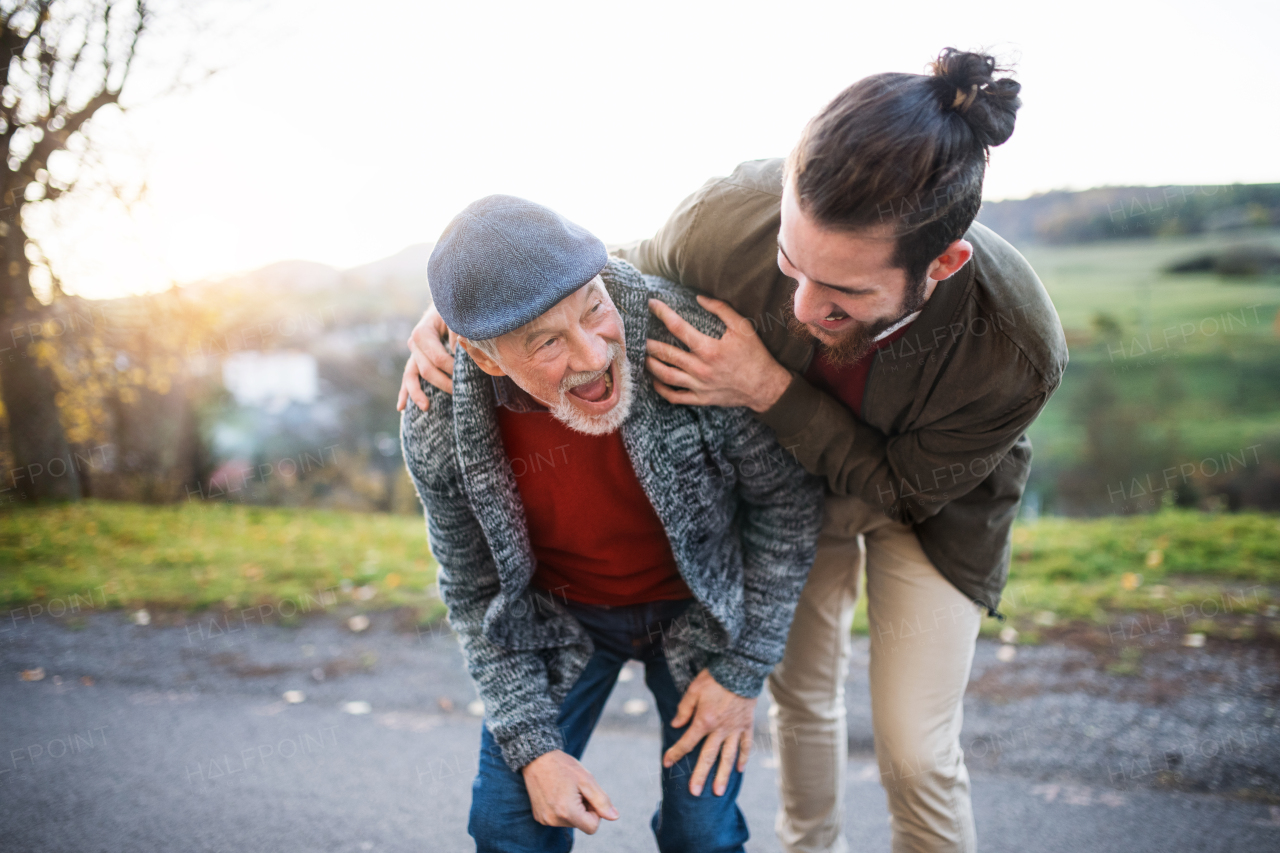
column 734, row 370
column 721, row 716
column 429, row 359
column 564, row 793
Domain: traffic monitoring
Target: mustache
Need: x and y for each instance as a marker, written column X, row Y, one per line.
column 575, row 379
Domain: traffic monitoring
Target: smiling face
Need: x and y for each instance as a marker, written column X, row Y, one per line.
column 572, row 359
column 848, row 289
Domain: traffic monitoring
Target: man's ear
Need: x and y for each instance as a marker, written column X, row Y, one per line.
column 481, row 358
column 950, row 262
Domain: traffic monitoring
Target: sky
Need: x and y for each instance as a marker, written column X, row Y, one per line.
column 342, row 132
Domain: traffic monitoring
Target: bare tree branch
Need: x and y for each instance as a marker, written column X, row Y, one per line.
column 12, row 42
column 57, row 140
column 61, row 63
column 56, row 122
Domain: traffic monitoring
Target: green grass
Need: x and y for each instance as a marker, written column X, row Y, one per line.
column 1076, row 569
column 195, row 556
column 1124, row 278
column 199, row 555
column 1214, row 391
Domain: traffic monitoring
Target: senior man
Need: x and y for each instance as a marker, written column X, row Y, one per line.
column 580, row 520
column 902, row 349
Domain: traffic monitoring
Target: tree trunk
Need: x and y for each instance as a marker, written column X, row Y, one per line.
column 43, row 466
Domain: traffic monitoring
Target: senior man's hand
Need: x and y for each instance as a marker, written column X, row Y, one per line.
column 721, row 716
column 429, row 359
column 564, row 793
column 735, row 370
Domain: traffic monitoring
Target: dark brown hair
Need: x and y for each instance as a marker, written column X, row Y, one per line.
column 909, row 151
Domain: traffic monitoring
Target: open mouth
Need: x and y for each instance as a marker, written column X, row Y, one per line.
column 599, row 392
column 834, row 322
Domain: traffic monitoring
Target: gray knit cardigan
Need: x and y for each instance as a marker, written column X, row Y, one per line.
column 741, row 514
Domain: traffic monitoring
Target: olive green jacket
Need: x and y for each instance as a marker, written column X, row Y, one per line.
column 941, row 442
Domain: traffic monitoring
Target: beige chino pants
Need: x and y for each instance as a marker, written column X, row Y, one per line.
column 922, row 632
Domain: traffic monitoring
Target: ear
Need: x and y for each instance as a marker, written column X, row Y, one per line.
column 952, row 259
column 481, row 358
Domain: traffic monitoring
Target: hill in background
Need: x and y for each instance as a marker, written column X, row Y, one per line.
column 1107, row 213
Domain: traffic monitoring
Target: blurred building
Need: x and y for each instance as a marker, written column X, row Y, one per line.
column 271, row 380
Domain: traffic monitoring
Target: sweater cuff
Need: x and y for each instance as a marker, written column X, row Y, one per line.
column 794, row 409
column 741, row 675
column 528, row 745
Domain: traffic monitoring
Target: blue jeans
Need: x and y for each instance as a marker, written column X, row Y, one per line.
column 501, row 816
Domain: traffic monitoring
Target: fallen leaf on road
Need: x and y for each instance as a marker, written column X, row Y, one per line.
column 358, row 622
column 86, row 681
column 445, row 703
column 36, row 674
column 1193, row 641
column 141, row 617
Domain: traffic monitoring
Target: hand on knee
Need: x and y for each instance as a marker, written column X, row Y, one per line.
column 719, row 719
column 564, row 793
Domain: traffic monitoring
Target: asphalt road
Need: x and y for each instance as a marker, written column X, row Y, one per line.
column 183, row 742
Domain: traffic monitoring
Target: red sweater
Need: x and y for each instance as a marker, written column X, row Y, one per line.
column 595, row 534
column 848, row 382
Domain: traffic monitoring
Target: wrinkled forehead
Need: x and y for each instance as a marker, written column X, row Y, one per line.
column 563, row 313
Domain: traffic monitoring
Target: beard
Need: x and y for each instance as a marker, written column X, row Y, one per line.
column 575, row 419
column 856, row 342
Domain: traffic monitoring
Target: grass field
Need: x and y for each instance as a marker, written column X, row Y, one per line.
column 1124, row 278
column 1206, row 567
column 199, row 556
column 1187, row 366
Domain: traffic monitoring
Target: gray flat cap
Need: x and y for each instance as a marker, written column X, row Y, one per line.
column 504, row 261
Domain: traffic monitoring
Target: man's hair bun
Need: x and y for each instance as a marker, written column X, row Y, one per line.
column 907, row 151
column 967, row 84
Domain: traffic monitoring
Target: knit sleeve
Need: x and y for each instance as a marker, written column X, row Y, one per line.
column 513, row 684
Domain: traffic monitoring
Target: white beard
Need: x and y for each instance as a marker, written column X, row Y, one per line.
column 577, row 420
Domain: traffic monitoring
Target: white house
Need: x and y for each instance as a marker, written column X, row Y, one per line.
column 270, row 379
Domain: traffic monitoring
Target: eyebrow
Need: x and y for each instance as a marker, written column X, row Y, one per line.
column 851, row 291
column 529, row 337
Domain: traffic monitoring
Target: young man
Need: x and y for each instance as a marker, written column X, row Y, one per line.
column 579, row 521
column 902, row 350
